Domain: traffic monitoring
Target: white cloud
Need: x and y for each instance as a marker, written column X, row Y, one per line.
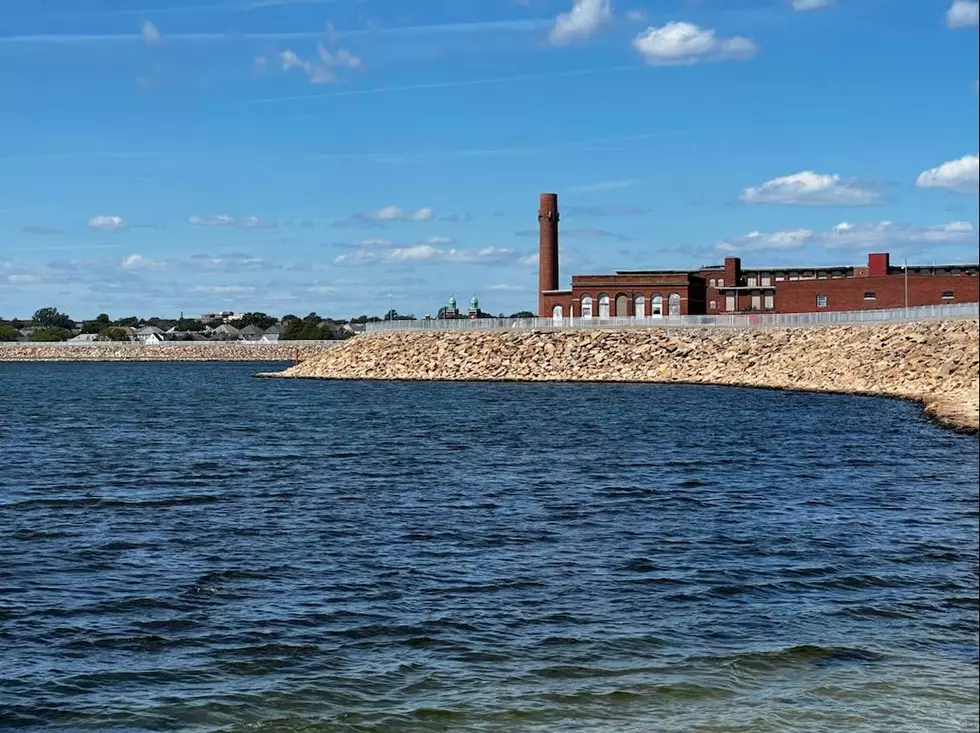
column 372, row 243
column 422, row 253
column 393, row 213
column 960, row 176
column 223, row 289
column 869, row 237
column 151, row 34
column 963, row 13
column 528, row 260
column 637, row 15
column 138, row 262
column 680, row 43
column 804, row 5
column 811, row 189
column 583, row 20
column 223, row 220
column 439, row 241
column 107, row 223
column 503, row 287
column 322, row 72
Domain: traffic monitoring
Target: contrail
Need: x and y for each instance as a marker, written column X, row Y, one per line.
column 450, row 84
column 66, row 38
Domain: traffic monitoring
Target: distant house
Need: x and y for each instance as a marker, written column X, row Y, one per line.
column 251, row 332
column 272, row 333
column 84, row 338
column 26, row 333
column 225, row 332
column 150, row 335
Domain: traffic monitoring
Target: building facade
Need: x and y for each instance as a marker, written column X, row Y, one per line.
column 730, row 288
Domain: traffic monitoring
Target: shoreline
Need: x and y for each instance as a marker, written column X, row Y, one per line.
column 932, row 364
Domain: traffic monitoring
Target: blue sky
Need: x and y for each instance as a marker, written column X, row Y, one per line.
column 159, row 156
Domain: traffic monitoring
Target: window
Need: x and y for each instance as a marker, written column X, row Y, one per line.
column 769, row 302
column 947, row 295
column 766, row 281
column 838, row 275
column 729, row 303
column 674, row 304
column 794, row 276
column 713, row 305
column 657, row 305
column 780, row 278
column 603, row 305
column 870, row 295
column 721, row 283
column 586, row 306
column 822, row 301
column 756, row 300
column 821, row 275
column 639, row 306
column 750, row 281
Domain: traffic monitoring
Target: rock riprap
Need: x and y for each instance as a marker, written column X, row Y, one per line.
column 184, row 351
column 934, row 362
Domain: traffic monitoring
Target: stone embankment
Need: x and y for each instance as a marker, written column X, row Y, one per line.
column 934, row 363
column 189, row 351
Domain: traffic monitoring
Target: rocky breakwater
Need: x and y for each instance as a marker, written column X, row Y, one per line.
column 935, row 363
column 189, row 351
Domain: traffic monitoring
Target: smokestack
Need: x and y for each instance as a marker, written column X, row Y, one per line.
column 548, row 248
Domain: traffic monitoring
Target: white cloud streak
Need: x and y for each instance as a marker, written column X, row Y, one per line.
column 107, row 223
column 959, row 176
column 223, row 220
column 962, row 14
column 679, row 44
column 422, row 254
column 584, row 19
column 151, row 34
column 806, row 5
column 868, row 237
column 811, row 189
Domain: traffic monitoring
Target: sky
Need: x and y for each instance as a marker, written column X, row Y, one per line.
column 344, row 156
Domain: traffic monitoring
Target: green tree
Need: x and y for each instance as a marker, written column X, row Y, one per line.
column 523, row 314
column 101, row 321
column 9, row 333
column 261, row 320
column 50, row 333
column 189, row 324
column 51, row 317
column 128, row 322
column 113, row 333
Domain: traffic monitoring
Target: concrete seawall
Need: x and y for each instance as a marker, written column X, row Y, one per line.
column 178, row 351
column 934, row 363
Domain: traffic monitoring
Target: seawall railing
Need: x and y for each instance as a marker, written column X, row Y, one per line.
column 740, row 320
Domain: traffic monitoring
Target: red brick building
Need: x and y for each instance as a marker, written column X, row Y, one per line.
column 730, row 288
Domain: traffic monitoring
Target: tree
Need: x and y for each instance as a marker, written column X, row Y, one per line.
column 189, row 324
column 129, row 322
column 304, row 330
column 101, row 321
column 9, row 333
column 50, row 333
column 523, row 314
column 113, row 333
column 260, row 320
column 51, row 317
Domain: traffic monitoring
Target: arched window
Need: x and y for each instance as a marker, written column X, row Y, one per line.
column 557, row 313
column 622, row 305
column 674, row 304
column 657, row 305
column 586, row 306
column 639, row 306
column 603, row 305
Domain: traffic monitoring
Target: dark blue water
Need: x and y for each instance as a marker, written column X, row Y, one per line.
column 186, row 548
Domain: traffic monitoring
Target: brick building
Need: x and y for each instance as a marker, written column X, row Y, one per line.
column 730, row 288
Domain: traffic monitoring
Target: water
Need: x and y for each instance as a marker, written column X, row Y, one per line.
column 184, row 548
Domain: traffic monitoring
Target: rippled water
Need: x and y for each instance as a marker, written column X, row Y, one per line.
column 185, row 548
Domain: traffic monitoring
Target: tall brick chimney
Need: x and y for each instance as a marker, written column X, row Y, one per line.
column 548, row 248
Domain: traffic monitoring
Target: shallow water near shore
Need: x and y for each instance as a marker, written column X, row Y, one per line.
column 186, row 548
